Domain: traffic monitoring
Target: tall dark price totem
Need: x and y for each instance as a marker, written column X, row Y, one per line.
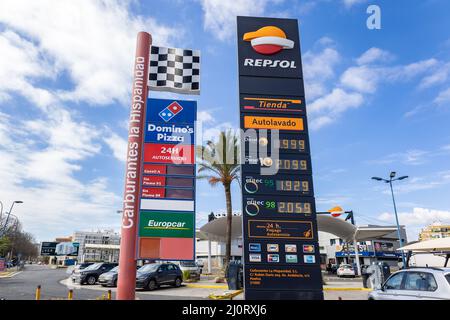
column 281, row 252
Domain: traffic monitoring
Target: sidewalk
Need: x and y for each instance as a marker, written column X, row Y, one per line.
column 345, row 290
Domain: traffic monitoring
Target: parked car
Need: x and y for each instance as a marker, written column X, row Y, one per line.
column 191, row 267
column 152, row 275
column 345, row 270
column 91, row 273
column 415, row 284
column 109, row 279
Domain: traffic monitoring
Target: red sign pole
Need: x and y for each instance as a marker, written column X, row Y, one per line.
column 127, row 262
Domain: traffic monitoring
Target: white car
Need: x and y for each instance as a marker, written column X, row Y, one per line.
column 415, row 284
column 345, row 270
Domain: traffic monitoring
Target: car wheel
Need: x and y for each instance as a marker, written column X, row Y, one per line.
column 152, row 285
column 91, row 280
column 115, row 283
column 177, row 282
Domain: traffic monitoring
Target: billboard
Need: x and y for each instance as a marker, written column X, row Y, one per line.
column 166, row 228
column 281, row 252
column 59, row 249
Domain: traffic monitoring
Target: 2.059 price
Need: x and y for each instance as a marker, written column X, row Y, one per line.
column 289, row 207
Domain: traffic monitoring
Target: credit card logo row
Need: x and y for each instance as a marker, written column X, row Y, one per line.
column 275, row 258
column 274, row 247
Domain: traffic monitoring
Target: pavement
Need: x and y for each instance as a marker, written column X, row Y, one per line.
column 55, row 284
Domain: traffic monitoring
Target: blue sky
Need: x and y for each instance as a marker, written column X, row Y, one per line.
column 377, row 100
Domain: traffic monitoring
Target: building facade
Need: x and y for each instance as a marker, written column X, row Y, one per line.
column 97, row 246
column 435, row 231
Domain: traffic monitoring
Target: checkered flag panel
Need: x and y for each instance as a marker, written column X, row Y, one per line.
column 175, row 70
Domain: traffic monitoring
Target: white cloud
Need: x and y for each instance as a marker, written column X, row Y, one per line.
column 118, row 145
column 411, row 157
column 319, row 67
column 220, row 16
column 326, row 109
column 374, row 55
column 350, row 3
column 443, row 97
column 417, row 219
column 407, row 72
column 92, row 41
column 205, row 117
column 363, row 79
column 440, row 75
column 330, row 98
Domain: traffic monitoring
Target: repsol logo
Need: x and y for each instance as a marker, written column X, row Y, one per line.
column 268, row 63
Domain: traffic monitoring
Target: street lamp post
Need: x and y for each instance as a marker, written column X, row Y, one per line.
column 1, row 213
column 9, row 213
column 391, row 179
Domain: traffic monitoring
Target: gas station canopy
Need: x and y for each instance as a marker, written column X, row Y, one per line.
column 434, row 245
column 215, row 230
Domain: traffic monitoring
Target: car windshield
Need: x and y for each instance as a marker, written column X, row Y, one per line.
column 93, row 266
column 115, row 269
column 187, row 264
column 148, row 268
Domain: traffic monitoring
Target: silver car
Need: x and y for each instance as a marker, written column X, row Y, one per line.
column 415, row 284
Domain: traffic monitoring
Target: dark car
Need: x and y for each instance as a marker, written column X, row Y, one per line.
column 91, row 273
column 152, row 275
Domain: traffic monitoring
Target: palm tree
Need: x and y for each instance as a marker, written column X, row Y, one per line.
column 218, row 162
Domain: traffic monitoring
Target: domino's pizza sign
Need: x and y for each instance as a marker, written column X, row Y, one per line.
column 171, row 111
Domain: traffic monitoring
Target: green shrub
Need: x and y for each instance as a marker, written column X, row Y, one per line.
column 186, row 275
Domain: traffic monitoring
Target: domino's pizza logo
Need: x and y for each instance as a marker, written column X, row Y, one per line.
column 170, row 111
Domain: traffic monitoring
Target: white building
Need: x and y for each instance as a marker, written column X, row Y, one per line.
column 217, row 250
column 97, row 245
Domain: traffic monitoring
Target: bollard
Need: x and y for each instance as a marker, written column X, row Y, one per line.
column 70, row 295
column 109, row 295
column 38, row 292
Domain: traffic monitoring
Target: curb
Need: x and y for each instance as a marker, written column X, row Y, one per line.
column 201, row 286
column 206, row 286
column 346, row 289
